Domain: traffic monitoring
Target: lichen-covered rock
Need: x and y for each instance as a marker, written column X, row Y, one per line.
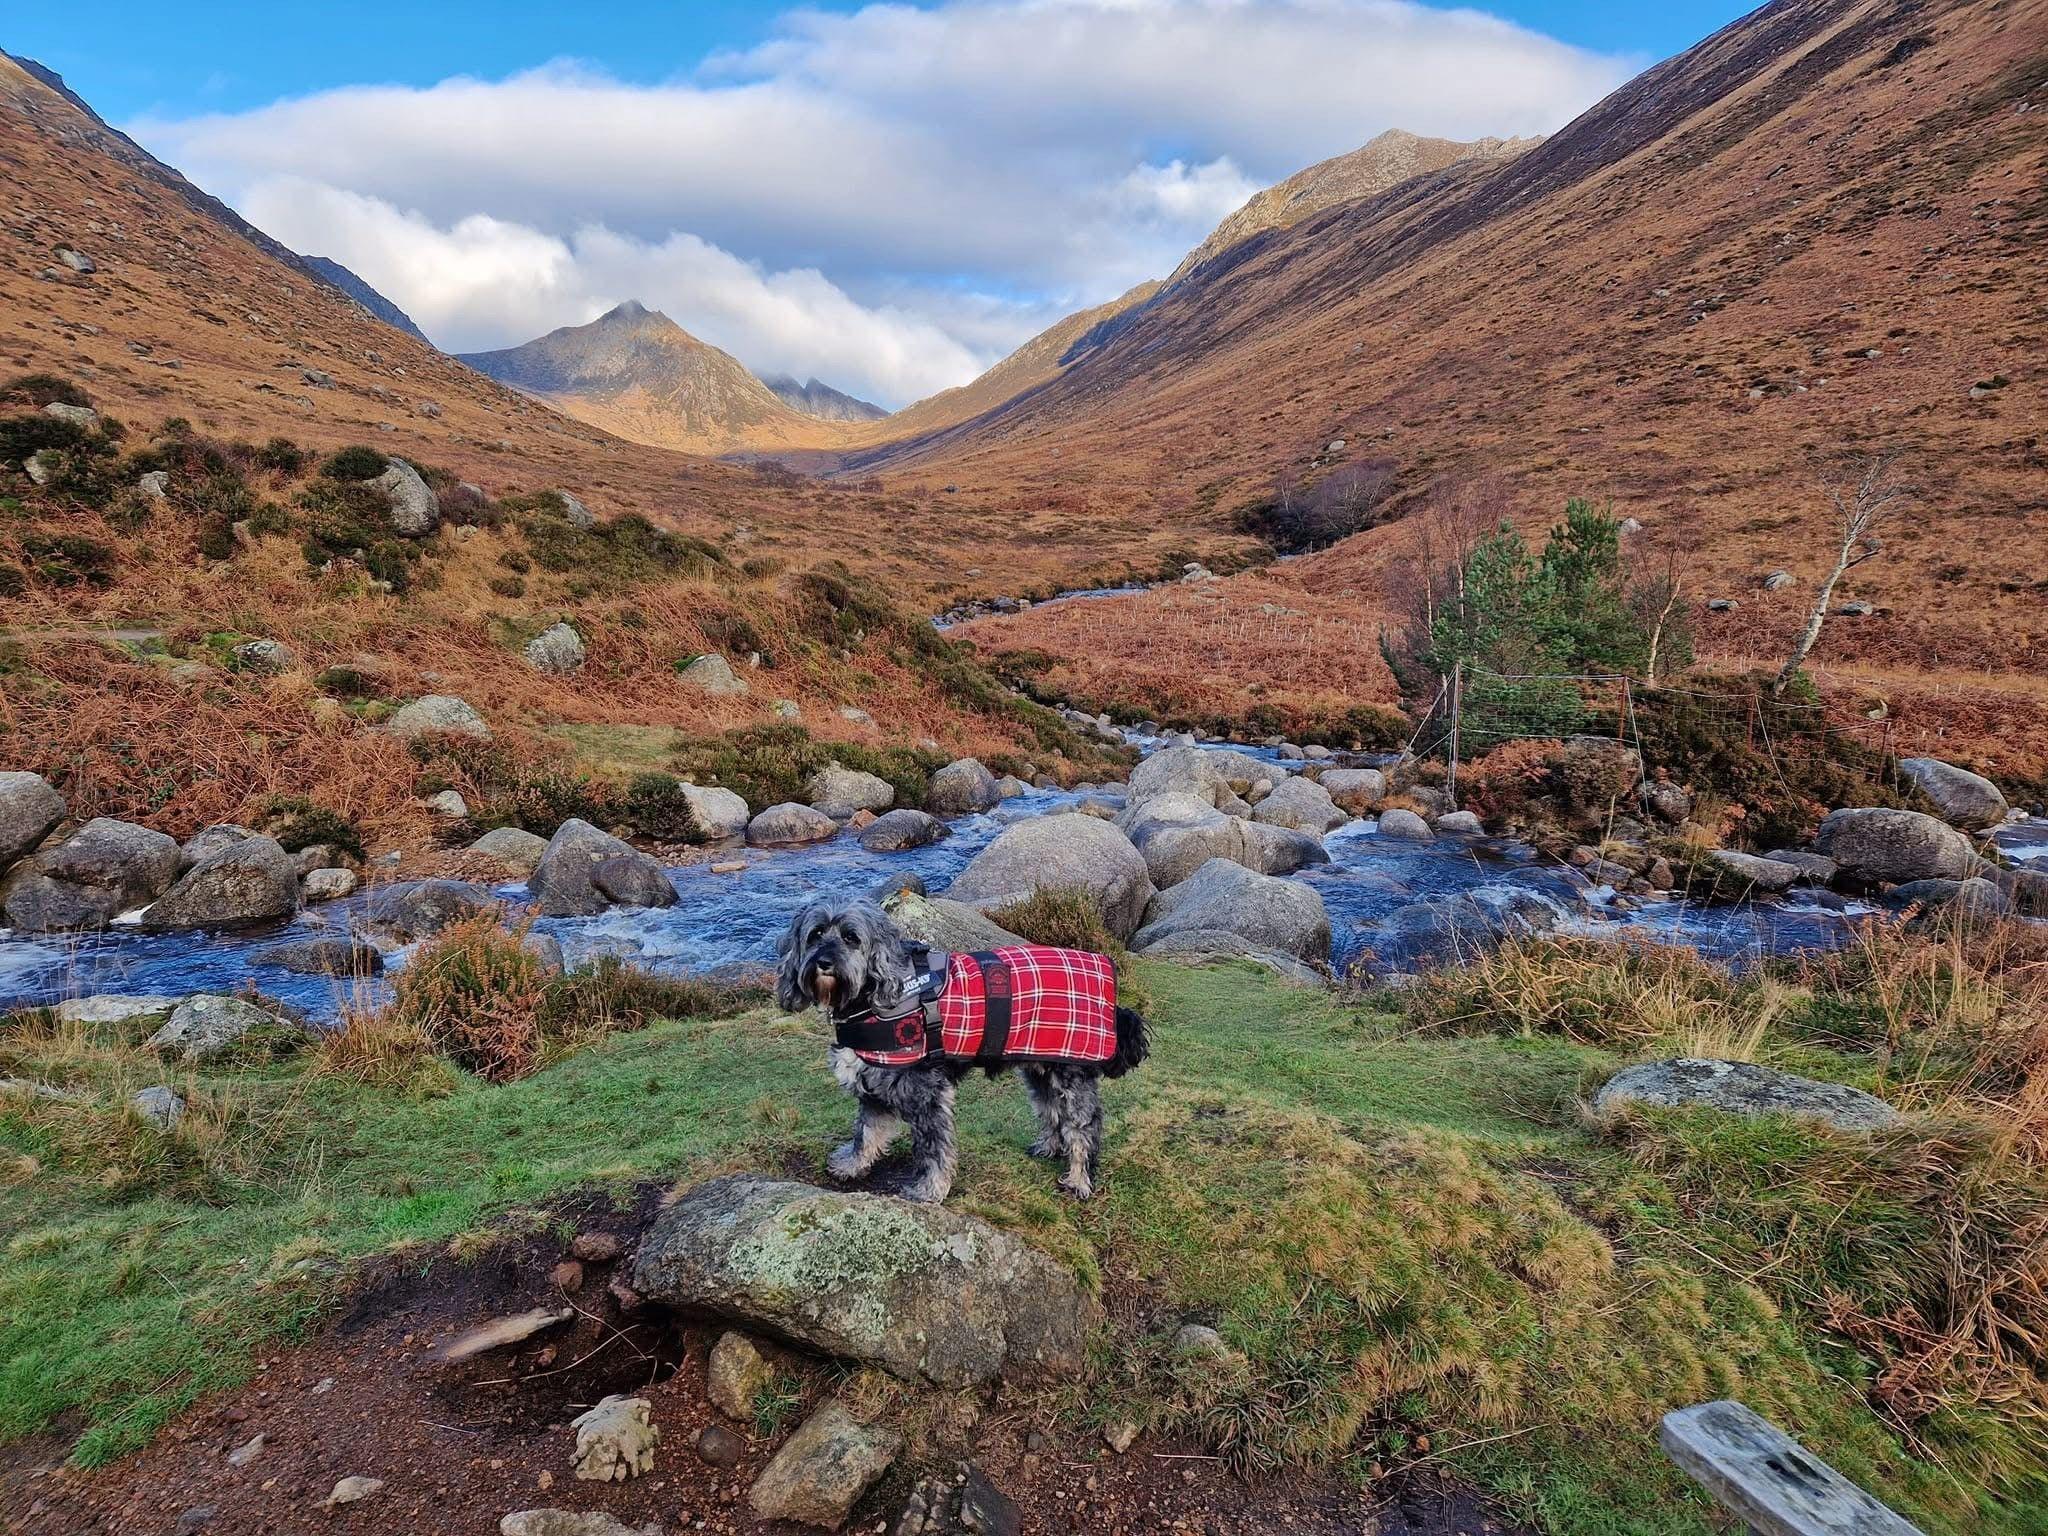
column 1964, row 799
column 111, row 1008
column 923, row 1292
column 1742, row 1088
column 1178, row 833
column 1873, row 843
column 162, row 1107
column 1274, row 913
column 574, row 512
column 823, row 1469
column 1977, row 896
column 328, row 884
column 571, row 1522
column 1218, row 776
column 1404, row 825
column 788, row 824
column 101, row 870
column 514, row 847
column 253, row 881
column 558, row 649
column 841, row 792
column 901, row 830
column 1064, row 852
column 585, row 870
column 265, row 656
column 941, row 924
column 1747, row 871
column 1357, row 790
column 735, row 1374
column 720, row 814
column 207, row 841
column 209, row 1025
column 1206, row 946
column 438, row 714
column 1301, row 804
column 712, row 673
column 961, row 788
column 415, row 509
column 422, row 908
column 615, row 1440
column 328, row 955
column 29, row 812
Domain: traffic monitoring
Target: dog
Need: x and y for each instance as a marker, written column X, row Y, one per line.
column 909, row 1022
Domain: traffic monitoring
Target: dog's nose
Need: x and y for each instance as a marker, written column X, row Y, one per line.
column 825, row 967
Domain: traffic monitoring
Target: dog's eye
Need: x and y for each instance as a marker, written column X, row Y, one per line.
column 852, row 938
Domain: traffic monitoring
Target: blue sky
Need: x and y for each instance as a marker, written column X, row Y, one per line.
column 888, row 196
column 157, row 58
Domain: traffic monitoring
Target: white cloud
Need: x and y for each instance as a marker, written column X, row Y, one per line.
column 931, row 183
column 483, row 280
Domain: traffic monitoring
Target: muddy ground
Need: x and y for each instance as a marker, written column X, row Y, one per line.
column 459, row 1446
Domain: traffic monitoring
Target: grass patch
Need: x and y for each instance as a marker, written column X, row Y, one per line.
column 1403, row 1233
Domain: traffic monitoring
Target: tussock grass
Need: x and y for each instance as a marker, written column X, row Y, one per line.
column 479, row 997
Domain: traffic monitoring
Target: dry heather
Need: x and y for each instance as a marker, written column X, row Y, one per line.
column 1200, row 651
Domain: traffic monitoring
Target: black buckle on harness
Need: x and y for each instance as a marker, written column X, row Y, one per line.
column 998, row 988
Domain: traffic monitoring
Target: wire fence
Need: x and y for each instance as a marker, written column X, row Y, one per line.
column 1476, row 710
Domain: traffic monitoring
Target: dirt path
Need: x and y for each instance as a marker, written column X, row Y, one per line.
column 458, row 1447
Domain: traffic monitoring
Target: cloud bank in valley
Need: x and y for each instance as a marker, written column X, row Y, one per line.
column 890, row 198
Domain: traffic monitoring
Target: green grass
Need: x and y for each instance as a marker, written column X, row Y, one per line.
column 1401, row 1235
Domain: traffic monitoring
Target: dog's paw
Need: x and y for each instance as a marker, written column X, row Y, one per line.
column 1045, row 1147
column 844, row 1163
column 1080, row 1188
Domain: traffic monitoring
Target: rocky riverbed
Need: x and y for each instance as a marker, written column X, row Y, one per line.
column 1290, row 877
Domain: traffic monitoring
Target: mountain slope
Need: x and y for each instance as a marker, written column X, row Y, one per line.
column 1382, row 162
column 1811, row 233
column 813, row 398
column 636, row 372
column 336, row 276
column 1040, row 359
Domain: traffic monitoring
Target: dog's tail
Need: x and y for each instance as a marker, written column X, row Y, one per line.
column 1131, row 1045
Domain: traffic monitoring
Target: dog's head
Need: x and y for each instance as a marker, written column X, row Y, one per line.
column 847, row 955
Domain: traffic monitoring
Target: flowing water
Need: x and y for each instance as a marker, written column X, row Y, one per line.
column 723, row 921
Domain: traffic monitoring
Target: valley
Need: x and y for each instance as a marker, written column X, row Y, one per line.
column 1519, row 664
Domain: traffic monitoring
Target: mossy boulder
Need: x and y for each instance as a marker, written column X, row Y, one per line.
column 928, row 1295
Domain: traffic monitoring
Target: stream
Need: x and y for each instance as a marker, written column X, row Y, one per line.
column 725, row 921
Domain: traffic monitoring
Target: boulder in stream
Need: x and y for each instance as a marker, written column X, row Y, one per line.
column 252, row 881
column 1875, row 844
column 1062, row 852
column 1274, row 913
column 1963, row 799
column 586, row 870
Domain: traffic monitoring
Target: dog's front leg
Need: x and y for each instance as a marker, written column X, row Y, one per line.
column 1078, row 1104
column 927, row 1103
column 874, row 1126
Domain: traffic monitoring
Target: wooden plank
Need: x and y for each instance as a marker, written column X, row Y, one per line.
column 1763, row 1476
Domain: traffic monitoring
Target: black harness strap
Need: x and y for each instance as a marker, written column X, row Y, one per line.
column 997, row 991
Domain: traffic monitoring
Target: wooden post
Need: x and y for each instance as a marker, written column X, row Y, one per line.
column 1457, row 704
column 1761, row 1475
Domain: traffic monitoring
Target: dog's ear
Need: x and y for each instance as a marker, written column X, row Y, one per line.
column 792, row 984
column 888, row 954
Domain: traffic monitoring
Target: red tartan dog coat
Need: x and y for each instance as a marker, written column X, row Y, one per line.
column 1020, row 1005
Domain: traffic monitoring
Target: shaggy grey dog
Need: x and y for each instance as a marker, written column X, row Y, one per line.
column 850, row 957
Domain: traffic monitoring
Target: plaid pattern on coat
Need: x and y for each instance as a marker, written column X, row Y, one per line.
column 1062, row 1008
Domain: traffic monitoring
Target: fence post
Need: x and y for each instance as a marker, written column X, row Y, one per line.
column 1457, row 705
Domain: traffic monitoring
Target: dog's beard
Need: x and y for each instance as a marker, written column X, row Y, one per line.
column 825, row 986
